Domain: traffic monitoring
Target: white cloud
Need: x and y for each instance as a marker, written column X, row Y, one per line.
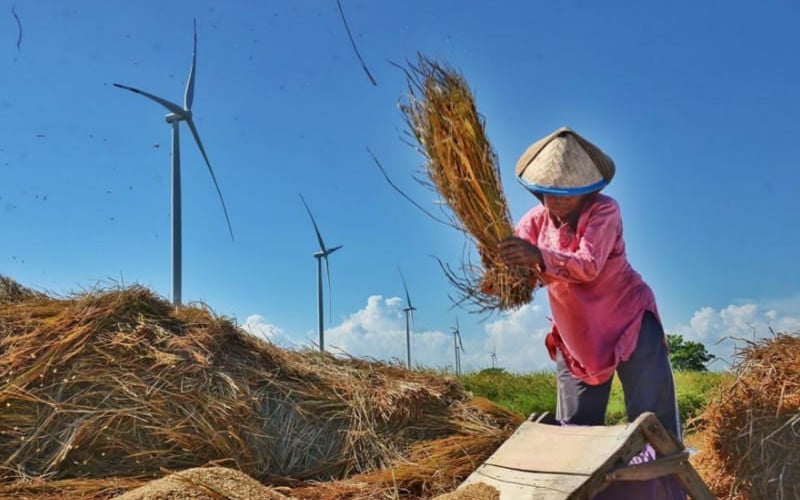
column 517, row 337
column 378, row 331
column 257, row 325
column 722, row 331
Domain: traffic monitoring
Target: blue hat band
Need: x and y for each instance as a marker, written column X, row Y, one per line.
column 558, row 191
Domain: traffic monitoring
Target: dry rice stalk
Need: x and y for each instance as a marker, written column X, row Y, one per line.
column 120, row 384
column 750, row 432
column 11, row 291
column 73, row 489
column 430, row 467
column 462, row 166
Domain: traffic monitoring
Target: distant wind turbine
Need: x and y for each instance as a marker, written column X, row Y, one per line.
column 176, row 115
column 494, row 356
column 458, row 347
column 409, row 310
column 323, row 253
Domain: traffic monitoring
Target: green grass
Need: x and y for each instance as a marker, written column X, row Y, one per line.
column 523, row 394
column 536, row 392
column 695, row 389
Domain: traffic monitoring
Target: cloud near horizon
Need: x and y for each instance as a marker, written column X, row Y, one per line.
column 724, row 331
column 258, row 325
column 517, row 337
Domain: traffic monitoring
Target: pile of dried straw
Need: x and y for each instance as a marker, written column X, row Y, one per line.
column 462, row 166
column 750, row 433
column 11, row 291
column 101, row 392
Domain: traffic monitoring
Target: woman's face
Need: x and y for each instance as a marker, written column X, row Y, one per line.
column 562, row 206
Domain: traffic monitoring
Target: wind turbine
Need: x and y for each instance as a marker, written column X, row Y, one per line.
column 409, row 310
column 494, row 356
column 323, row 253
column 458, row 347
column 176, row 115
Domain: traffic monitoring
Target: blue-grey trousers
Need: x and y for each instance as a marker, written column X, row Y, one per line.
column 646, row 381
column 648, row 385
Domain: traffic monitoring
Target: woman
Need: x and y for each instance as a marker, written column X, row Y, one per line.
column 605, row 318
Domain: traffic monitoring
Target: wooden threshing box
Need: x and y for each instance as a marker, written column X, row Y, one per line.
column 549, row 462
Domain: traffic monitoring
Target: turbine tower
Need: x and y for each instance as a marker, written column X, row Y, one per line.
column 458, row 347
column 494, row 356
column 409, row 310
column 323, row 253
column 177, row 115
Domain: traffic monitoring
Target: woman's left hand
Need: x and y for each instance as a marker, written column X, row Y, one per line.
column 516, row 251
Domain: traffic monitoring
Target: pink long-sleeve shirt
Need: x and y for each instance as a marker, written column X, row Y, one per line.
column 596, row 298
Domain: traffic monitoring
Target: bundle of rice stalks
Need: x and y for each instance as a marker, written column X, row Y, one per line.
column 462, row 167
column 750, row 433
column 120, row 385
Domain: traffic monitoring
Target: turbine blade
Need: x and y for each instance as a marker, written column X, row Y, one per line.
column 171, row 106
column 196, row 135
column 316, row 229
column 331, row 250
column 457, row 333
column 405, row 287
column 188, row 96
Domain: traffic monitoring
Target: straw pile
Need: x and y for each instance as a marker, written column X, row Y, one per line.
column 462, row 166
column 11, row 291
column 750, row 433
column 101, row 392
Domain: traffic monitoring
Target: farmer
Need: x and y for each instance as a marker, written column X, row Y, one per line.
column 604, row 315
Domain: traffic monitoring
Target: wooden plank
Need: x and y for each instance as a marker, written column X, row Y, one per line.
column 694, row 484
column 660, row 467
column 522, row 485
column 654, row 432
column 665, row 443
column 557, row 449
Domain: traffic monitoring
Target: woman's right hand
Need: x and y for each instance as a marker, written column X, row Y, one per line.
column 515, row 251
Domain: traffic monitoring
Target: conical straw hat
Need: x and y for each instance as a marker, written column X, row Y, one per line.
column 564, row 163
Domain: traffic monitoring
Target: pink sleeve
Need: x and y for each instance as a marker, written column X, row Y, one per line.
column 594, row 247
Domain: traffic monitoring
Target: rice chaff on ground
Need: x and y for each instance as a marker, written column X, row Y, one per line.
column 461, row 166
column 750, row 431
column 109, row 389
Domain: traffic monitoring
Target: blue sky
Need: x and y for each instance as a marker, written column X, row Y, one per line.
column 696, row 102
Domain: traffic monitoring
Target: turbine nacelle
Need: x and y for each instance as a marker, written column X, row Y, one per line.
column 326, row 251
column 184, row 116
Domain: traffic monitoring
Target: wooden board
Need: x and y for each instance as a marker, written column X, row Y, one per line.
column 522, row 485
column 553, row 462
column 557, row 449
